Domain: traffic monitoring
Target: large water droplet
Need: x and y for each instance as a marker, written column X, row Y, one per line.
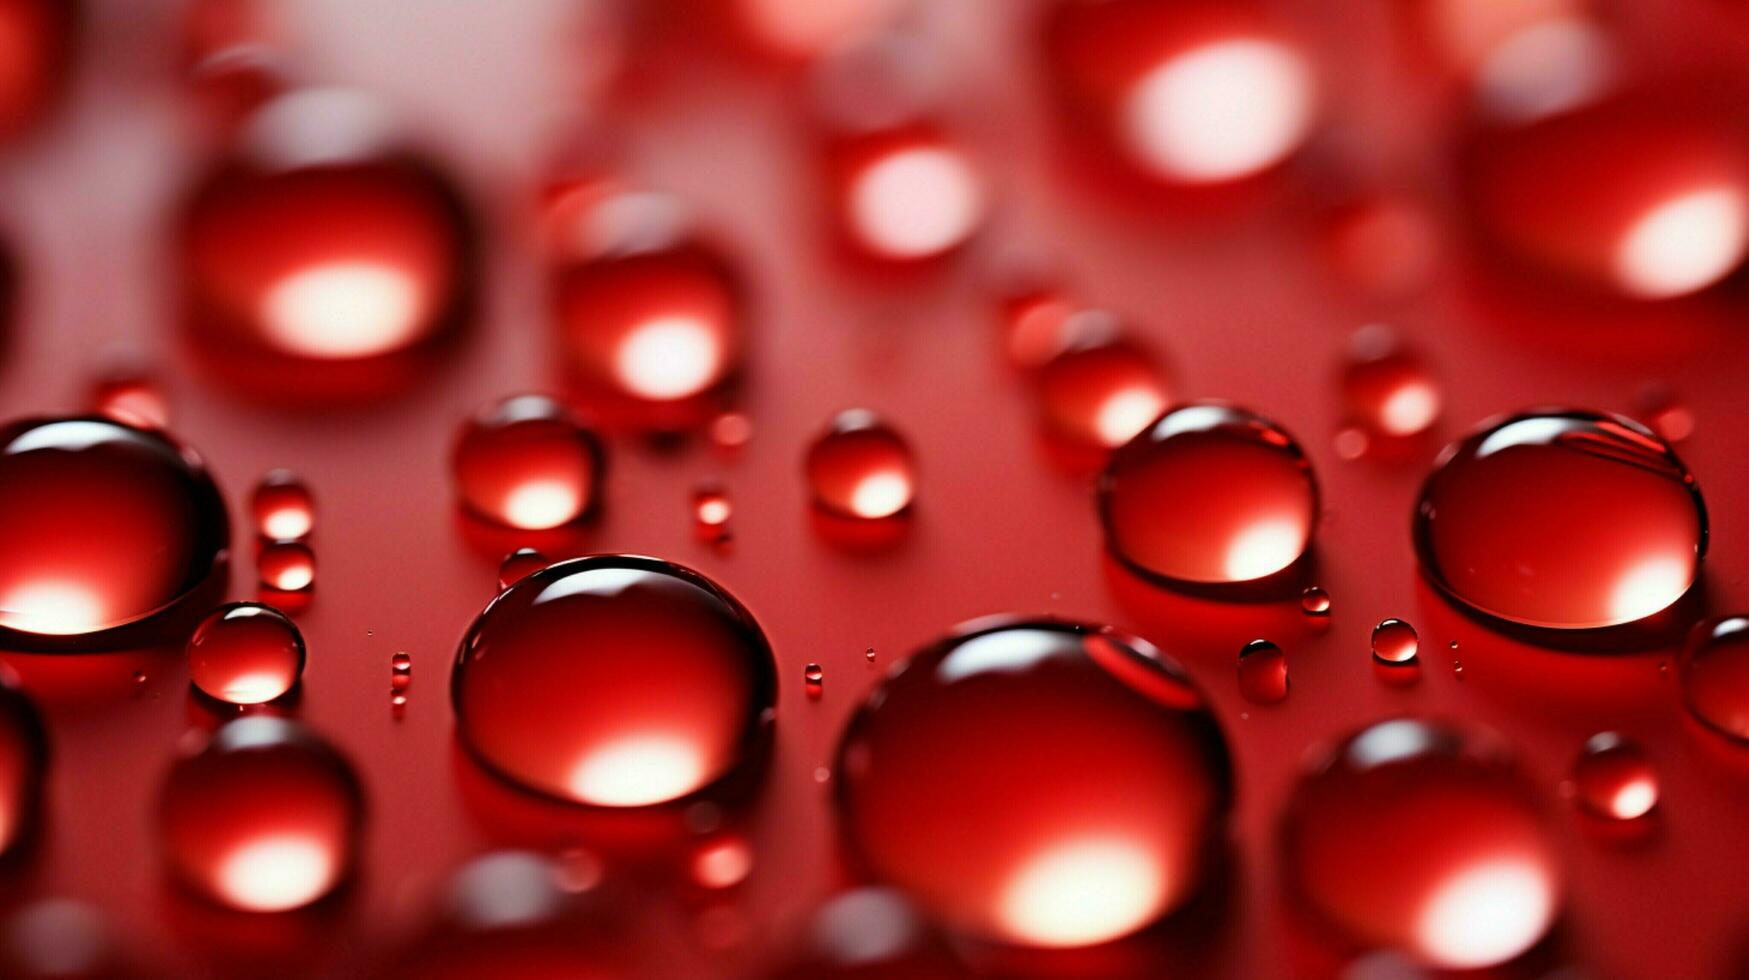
column 1209, row 494
column 1008, row 772
column 245, row 653
column 264, row 817
column 861, row 467
column 1562, row 519
column 615, row 681
column 1424, row 839
column 101, row 525
column 1714, row 673
column 527, row 463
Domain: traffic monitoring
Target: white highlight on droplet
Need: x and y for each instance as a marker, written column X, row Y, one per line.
column 339, row 310
column 1221, row 111
column 916, row 203
column 1685, row 244
column 1084, row 891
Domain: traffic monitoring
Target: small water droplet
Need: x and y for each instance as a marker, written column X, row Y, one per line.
column 1457, row 669
column 821, row 774
column 1386, row 390
column 1314, row 601
column 245, row 653
column 1613, row 779
column 731, row 431
column 711, row 510
column 518, row 564
column 286, row 566
column 527, row 462
column 861, row 467
column 814, row 678
column 401, row 662
column 283, row 507
column 1395, row 642
column 870, row 654
column 131, row 396
column 1262, row 672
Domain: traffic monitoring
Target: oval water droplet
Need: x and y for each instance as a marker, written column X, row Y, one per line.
column 517, row 566
column 1014, row 767
column 245, row 653
column 1563, row 520
column 614, row 680
column 526, row 462
column 861, row 467
column 1395, row 642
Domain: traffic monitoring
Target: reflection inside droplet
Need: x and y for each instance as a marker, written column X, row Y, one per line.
column 1084, row 891
column 276, row 873
column 52, row 609
column 1684, row 244
column 638, row 771
column 668, row 357
column 342, row 310
column 1486, row 914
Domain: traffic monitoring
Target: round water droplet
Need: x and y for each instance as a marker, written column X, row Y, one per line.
column 320, row 254
column 38, row 37
column 614, row 681
column 1099, row 388
column 527, row 463
column 1314, row 601
column 1263, row 672
column 1012, row 769
column 286, row 566
column 1209, row 494
column 1562, row 519
column 23, row 762
column 1424, row 839
column 722, row 863
column 401, row 662
column 861, row 467
column 1714, row 674
column 246, row 653
column 283, row 507
column 731, row 431
column 650, row 316
column 1193, row 93
column 1613, row 779
column 517, row 566
column 1385, row 387
column 131, row 396
column 264, row 817
column 711, row 510
column 101, row 525
column 1395, row 642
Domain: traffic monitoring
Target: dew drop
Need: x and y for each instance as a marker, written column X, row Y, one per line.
column 1209, row 494
column 286, row 566
column 861, row 467
column 320, row 255
column 1013, row 768
column 1613, row 778
column 1563, row 520
column 245, row 653
column 1395, row 642
column 1713, row 671
column 1386, row 389
column 517, row 566
column 1424, row 839
column 1263, row 672
column 264, row 817
column 1314, row 601
column 869, row 654
column 283, row 506
column 614, row 681
column 23, row 763
column 101, row 525
column 1101, row 387
column 526, row 462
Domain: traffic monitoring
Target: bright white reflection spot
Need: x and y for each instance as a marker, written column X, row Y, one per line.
column 638, row 771
column 541, row 504
column 1409, row 409
column 916, row 203
column 287, row 524
column 1647, row 588
column 1684, row 244
column 1221, row 111
column 276, row 873
column 1264, row 548
column 1487, row 914
column 1546, row 68
column 1082, row 892
column 1634, row 799
column 667, row 358
column 51, row 609
column 881, row 495
column 1126, row 413
column 295, row 577
column 342, row 309
column 254, row 688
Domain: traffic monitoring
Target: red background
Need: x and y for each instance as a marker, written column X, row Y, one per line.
column 1236, row 300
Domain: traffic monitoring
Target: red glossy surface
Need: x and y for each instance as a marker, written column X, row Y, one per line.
column 1238, row 303
column 1714, row 672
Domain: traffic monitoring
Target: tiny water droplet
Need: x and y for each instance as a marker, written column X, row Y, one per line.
column 814, row 678
column 711, row 510
column 401, row 662
column 870, row 654
column 1314, row 601
column 131, row 396
column 518, row 564
column 1457, row 669
column 1613, row 779
column 1395, row 642
column 1262, row 672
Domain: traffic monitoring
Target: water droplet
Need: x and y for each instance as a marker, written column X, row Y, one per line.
column 822, row 774
column 1613, row 779
column 1457, row 669
column 722, row 863
column 1314, row 601
column 245, row 653
column 401, row 662
column 1395, row 642
column 264, row 817
column 1011, row 769
column 23, row 763
column 814, row 678
column 286, row 566
column 615, row 681
column 517, row 565
column 861, row 467
column 870, row 654
column 321, row 257
column 1210, row 494
column 526, row 462
column 1425, row 839
column 130, row 395
column 907, row 194
column 1192, row 95
column 1385, row 247
column 1386, row 389
column 711, row 511
column 1263, row 672
column 101, row 525
column 1713, row 671
column 1101, row 387
column 283, row 506
column 1563, row 520
column 650, row 316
